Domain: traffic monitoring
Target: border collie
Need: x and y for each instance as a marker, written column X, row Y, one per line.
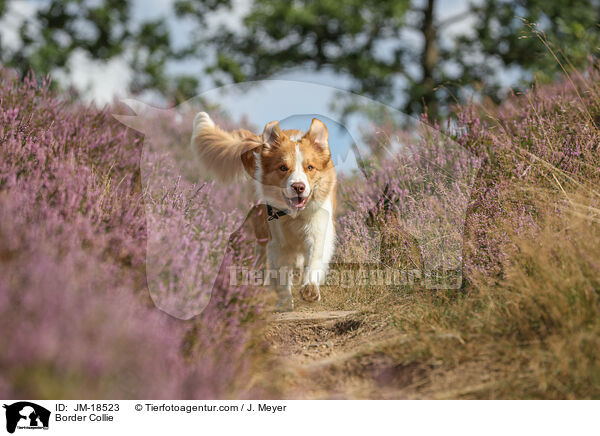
column 294, row 180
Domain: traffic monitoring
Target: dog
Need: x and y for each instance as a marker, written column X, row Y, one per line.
column 295, row 185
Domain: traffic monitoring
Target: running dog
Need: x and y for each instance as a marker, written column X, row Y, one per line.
column 295, row 183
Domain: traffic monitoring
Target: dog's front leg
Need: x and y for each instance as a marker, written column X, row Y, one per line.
column 320, row 245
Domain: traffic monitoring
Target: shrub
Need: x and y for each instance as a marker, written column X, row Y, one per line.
column 74, row 306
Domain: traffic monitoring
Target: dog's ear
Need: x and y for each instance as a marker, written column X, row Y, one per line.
column 318, row 134
column 272, row 135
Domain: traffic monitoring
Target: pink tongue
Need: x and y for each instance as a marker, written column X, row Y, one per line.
column 297, row 201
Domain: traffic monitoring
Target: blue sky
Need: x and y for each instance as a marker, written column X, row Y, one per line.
column 295, row 104
column 102, row 81
column 295, row 98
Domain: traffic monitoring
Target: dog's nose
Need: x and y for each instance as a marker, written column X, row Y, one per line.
column 298, row 187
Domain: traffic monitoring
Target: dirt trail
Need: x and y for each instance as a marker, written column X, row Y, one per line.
column 335, row 354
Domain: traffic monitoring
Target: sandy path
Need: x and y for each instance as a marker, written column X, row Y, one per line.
column 333, row 354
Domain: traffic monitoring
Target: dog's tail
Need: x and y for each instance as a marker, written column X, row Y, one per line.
column 225, row 156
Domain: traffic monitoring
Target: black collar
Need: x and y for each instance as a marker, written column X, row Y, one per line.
column 273, row 214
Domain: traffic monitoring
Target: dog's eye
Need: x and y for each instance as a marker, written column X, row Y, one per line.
column 283, row 168
column 310, row 168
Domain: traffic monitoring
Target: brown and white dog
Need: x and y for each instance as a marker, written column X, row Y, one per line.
column 295, row 179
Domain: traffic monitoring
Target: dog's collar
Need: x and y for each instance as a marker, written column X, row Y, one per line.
column 273, row 213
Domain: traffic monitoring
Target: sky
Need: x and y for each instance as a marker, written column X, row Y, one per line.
column 294, row 104
column 295, row 97
column 100, row 82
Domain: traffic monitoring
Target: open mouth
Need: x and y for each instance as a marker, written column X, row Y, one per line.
column 296, row 202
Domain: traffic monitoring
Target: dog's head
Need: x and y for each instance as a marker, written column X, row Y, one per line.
column 293, row 168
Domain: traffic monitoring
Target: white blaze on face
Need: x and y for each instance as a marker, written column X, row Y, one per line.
column 298, row 176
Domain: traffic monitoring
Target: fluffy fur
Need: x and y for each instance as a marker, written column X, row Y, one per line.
column 223, row 155
column 292, row 171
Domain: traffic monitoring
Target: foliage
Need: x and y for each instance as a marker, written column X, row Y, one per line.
column 73, row 233
column 103, row 31
column 395, row 51
column 530, row 35
column 373, row 44
column 74, row 304
column 526, row 323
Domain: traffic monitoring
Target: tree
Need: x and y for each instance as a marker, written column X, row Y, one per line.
column 367, row 41
column 538, row 37
column 359, row 38
column 370, row 42
column 103, row 30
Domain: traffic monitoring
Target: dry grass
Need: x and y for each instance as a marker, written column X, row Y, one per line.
column 533, row 334
column 526, row 324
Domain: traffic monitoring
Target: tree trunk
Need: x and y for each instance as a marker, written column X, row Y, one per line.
column 429, row 59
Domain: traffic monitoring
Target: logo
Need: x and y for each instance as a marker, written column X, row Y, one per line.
column 26, row 415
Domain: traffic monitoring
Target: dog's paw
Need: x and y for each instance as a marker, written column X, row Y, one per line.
column 310, row 292
column 202, row 121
